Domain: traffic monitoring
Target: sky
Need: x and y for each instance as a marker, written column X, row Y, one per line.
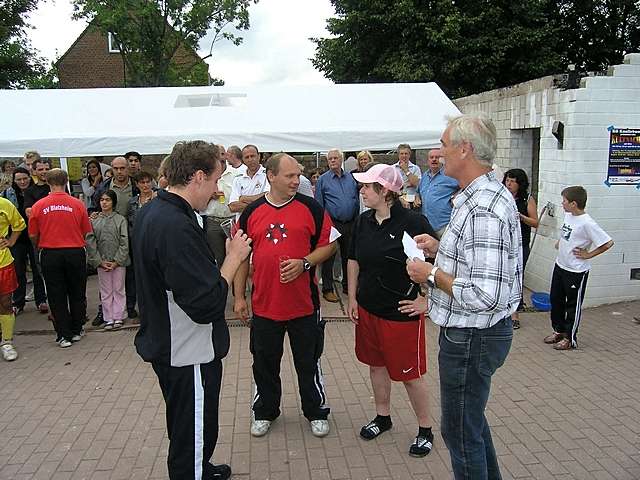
column 275, row 51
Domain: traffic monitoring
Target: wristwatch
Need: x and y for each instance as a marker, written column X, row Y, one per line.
column 306, row 264
column 431, row 279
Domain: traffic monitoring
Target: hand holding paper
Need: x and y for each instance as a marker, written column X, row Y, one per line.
column 411, row 249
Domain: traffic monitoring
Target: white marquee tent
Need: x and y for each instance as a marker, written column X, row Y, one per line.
column 90, row 122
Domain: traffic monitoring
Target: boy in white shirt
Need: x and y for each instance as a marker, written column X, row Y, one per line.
column 579, row 234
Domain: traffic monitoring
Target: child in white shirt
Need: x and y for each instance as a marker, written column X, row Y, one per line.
column 578, row 235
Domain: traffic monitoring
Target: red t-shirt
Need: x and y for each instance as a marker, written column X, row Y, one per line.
column 286, row 230
column 60, row 220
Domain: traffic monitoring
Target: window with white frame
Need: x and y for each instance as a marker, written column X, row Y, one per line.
column 113, row 44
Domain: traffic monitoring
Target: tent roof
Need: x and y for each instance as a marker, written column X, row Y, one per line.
column 89, row 122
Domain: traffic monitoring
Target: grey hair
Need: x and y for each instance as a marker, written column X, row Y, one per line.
column 338, row 151
column 478, row 130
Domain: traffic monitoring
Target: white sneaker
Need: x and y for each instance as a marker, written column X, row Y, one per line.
column 77, row 338
column 259, row 428
column 320, row 428
column 8, row 352
column 64, row 343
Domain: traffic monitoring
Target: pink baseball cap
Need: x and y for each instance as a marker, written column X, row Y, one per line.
column 386, row 175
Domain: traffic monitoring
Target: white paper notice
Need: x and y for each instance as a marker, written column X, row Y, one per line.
column 411, row 249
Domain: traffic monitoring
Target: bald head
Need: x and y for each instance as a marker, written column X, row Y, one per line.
column 120, row 168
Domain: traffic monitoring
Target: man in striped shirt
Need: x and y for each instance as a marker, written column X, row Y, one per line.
column 475, row 284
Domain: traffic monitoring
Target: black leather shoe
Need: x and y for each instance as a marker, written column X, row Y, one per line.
column 218, row 472
column 131, row 313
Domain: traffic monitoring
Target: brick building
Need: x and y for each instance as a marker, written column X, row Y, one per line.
column 94, row 61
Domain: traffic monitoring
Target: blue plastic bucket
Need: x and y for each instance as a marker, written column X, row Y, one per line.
column 541, row 301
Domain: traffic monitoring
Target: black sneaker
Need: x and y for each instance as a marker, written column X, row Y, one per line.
column 374, row 428
column 131, row 313
column 218, row 472
column 421, row 446
column 99, row 320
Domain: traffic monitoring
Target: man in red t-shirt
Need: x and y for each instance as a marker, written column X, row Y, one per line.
column 291, row 234
column 58, row 226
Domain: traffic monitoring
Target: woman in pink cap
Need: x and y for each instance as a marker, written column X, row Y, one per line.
column 385, row 305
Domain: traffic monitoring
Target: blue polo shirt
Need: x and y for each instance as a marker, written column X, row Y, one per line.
column 338, row 195
column 436, row 191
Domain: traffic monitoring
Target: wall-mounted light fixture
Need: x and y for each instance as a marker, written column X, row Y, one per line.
column 558, row 132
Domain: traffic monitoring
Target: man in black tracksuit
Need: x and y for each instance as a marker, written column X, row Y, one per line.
column 182, row 295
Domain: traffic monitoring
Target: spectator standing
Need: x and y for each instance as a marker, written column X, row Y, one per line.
column 436, row 191
column 40, row 188
column 410, row 173
column 234, row 160
column 517, row 183
column 6, row 174
column 134, row 160
column 388, row 340
column 28, row 162
column 251, row 185
column 58, row 226
column 337, row 193
column 579, row 234
column 144, row 182
column 91, row 182
column 125, row 188
column 364, row 158
column 217, row 211
column 183, row 293
column 475, row 286
column 23, row 250
column 10, row 219
column 291, row 235
column 108, row 253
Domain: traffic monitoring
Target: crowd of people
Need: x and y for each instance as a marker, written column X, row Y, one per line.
column 216, row 220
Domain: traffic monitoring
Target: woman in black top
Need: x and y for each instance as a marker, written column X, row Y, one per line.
column 517, row 183
column 388, row 338
column 23, row 250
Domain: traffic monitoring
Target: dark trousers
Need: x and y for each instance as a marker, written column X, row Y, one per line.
column 567, row 294
column 467, row 360
column 24, row 252
column 306, row 338
column 65, row 274
column 191, row 395
column 216, row 238
column 130, row 283
column 327, row 266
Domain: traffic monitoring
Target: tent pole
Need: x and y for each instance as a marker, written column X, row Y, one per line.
column 65, row 167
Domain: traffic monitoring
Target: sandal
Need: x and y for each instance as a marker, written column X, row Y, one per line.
column 516, row 324
column 108, row 326
column 118, row 324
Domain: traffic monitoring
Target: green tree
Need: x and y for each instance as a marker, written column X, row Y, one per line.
column 18, row 61
column 155, row 36
column 469, row 46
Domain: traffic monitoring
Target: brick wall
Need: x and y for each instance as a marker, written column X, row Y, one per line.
column 583, row 159
column 88, row 63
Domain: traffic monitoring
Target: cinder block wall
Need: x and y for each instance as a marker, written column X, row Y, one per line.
column 586, row 113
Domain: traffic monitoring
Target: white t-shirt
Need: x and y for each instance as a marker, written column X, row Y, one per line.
column 578, row 231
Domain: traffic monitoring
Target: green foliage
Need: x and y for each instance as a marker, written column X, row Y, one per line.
column 18, row 61
column 157, row 38
column 468, row 46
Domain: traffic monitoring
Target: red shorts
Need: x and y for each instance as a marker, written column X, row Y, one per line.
column 8, row 280
column 399, row 346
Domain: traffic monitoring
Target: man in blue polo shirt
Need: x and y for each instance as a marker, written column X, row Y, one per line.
column 436, row 191
column 337, row 193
